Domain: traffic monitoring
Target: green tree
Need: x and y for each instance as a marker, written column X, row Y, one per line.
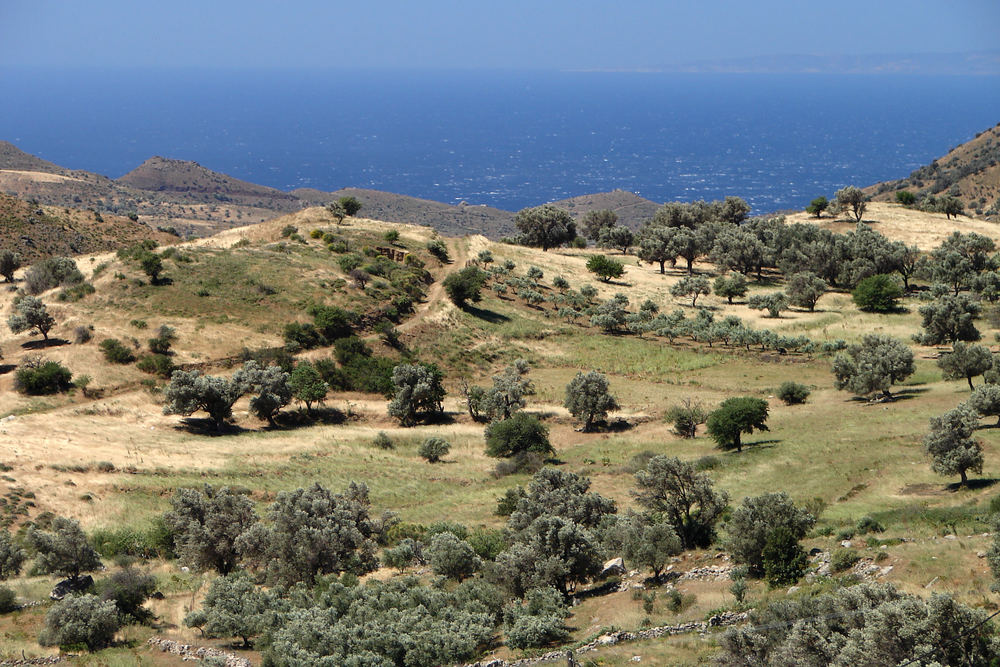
column 852, row 199
column 877, row 294
column 985, row 400
column 874, row 365
column 618, row 237
column 313, row 532
column 772, row 302
column 684, row 497
column 65, row 550
column 950, row 444
column 465, row 285
column 594, row 222
column 951, row 206
column 948, row 319
column 545, row 226
column 753, row 523
column 152, row 265
column 906, row 198
column 518, row 434
column 784, row 560
column 804, row 289
column 734, row 417
column 452, row 557
column 433, row 449
column 233, row 607
column 588, row 398
column 206, row 524
column 10, row 262
column 605, row 268
column 730, row 286
column 80, row 619
column 190, row 391
column 656, row 246
column 691, row 286
column 817, row 206
column 129, row 588
column 350, row 204
column 31, row 315
column 417, row 392
column 965, row 361
column 307, row 385
column 12, row 556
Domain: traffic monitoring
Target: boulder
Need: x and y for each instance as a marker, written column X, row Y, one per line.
column 67, row 586
column 615, row 566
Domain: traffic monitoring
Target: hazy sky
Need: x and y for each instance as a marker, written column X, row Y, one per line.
column 549, row 34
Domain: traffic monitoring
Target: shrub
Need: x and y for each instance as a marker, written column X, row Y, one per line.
column 42, row 377
column 465, row 285
column 51, row 272
column 129, row 589
column 383, row 441
column 686, row 418
column 8, row 600
column 519, row 434
column 156, row 364
column 507, row 503
column 115, row 351
column 784, row 560
column 439, row 250
column 867, row 524
column 452, row 557
column 877, row 294
column 906, row 198
column 84, row 619
column 793, row 393
column 843, row 559
column 433, row 449
column 82, row 334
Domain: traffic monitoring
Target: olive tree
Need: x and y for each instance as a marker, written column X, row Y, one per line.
column 650, row 544
column 735, row 416
column 950, row 444
column 505, row 397
column 270, row 389
column 853, row 199
column 691, row 286
column 313, row 532
column 873, row 365
column 754, row 521
column 772, row 302
column 730, row 286
column 965, row 361
column 417, row 393
column 985, row 400
column 552, row 551
column 545, row 226
column 206, row 524
column 10, row 262
column 31, row 315
column 804, row 289
column 617, row 237
column 684, row 497
column 559, row 493
column 656, row 245
column 12, row 556
column 594, row 222
column 233, row 607
column 190, row 391
column 588, row 398
column 949, row 318
column 452, row 557
column 65, row 550
column 80, row 619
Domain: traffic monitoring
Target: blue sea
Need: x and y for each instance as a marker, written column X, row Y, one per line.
column 506, row 139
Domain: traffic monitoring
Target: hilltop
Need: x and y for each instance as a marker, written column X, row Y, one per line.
column 196, row 201
column 969, row 172
column 633, row 211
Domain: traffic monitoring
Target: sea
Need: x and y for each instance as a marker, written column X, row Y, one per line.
column 508, row 139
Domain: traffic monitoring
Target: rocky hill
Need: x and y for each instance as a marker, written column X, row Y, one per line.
column 633, row 211
column 35, row 231
column 969, row 172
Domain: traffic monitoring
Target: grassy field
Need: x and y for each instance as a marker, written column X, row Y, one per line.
column 845, row 455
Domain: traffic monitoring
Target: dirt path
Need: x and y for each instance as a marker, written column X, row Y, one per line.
column 459, row 249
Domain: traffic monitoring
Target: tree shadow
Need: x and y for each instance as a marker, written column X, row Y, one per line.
column 207, row 427
column 442, row 418
column 292, row 419
column 618, row 425
column 7, row 368
column 487, row 315
column 42, row 344
column 162, row 280
column 973, row 484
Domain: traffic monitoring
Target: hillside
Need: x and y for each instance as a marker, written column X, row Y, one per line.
column 36, row 231
column 633, row 211
column 111, row 458
column 969, row 172
column 447, row 219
